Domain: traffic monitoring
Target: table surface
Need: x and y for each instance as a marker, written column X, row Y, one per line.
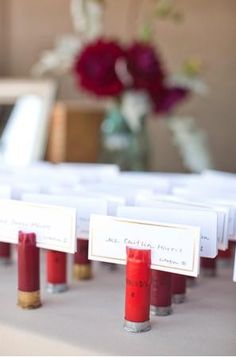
column 88, row 319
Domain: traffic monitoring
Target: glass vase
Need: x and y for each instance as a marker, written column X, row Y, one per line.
column 123, row 146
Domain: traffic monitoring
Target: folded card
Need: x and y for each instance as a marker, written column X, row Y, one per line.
column 84, row 208
column 5, row 191
column 185, row 203
column 205, row 219
column 174, row 248
column 141, row 180
column 54, row 226
column 128, row 192
column 215, row 198
column 88, row 172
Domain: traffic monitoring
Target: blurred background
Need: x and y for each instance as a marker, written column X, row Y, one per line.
column 206, row 33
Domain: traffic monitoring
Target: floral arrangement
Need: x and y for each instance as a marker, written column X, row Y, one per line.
column 133, row 76
column 106, row 68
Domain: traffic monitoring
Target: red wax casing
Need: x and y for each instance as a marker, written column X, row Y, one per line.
column 138, row 285
column 28, row 262
column 161, row 288
column 56, row 267
column 178, row 284
column 208, row 263
column 228, row 253
column 81, row 256
column 5, row 250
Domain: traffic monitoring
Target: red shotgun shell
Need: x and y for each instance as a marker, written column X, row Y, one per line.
column 225, row 257
column 161, row 293
column 138, row 286
column 56, row 271
column 225, row 254
column 82, row 268
column 178, row 288
column 208, row 266
column 5, row 253
column 28, row 271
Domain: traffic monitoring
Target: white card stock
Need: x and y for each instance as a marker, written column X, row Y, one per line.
column 54, row 226
column 5, row 191
column 143, row 180
column 89, row 173
column 182, row 203
column 128, row 192
column 84, row 208
column 175, row 248
column 215, row 198
column 205, row 219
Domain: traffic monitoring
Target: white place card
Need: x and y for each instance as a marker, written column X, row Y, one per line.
column 128, row 192
column 175, row 248
column 185, row 203
column 217, row 198
column 40, row 177
column 142, row 180
column 5, row 191
column 88, row 173
column 220, row 177
column 89, row 167
column 205, row 219
column 113, row 200
column 54, row 226
column 84, row 208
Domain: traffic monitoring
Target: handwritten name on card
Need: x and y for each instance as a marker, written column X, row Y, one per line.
column 54, row 226
column 175, row 248
column 205, row 219
column 85, row 206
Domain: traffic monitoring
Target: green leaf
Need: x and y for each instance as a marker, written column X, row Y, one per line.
column 146, row 33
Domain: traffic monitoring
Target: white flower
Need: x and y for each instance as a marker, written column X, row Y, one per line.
column 134, row 106
column 87, row 16
column 195, row 84
column 59, row 59
column 192, row 143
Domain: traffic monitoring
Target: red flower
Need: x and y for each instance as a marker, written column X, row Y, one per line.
column 95, row 68
column 144, row 66
column 167, row 98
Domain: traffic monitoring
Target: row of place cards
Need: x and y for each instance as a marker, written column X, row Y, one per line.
column 122, row 210
column 175, row 248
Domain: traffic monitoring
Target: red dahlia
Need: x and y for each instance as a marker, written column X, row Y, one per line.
column 167, row 98
column 144, row 66
column 95, row 68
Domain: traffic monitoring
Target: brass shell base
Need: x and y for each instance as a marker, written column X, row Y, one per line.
column 29, row 299
column 82, row 271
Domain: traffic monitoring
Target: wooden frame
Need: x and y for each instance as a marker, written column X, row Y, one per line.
column 33, row 134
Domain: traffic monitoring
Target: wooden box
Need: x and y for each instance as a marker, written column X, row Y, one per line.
column 74, row 134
